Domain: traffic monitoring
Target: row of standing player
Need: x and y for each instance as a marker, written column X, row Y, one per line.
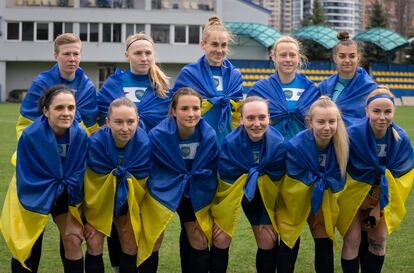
column 220, row 87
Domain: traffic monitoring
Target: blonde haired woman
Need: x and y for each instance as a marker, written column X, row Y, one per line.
column 289, row 93
column 380, row 168
column 143, row 83
column 215, row 78
column 314, row 177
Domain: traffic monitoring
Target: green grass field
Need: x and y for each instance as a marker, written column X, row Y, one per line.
column 400, row 245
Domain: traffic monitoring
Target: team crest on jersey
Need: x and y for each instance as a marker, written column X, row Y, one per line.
column 62, row 149
column 322, row 160
column 381, row 150
column 288, row 93
column 216, row 82
column 185, row 151
column 139, row 93
column 134, row 94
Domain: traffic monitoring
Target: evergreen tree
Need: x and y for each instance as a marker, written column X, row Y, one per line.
column 312, row 49
column 378, row 18
column 409, row 51
column 318, row 16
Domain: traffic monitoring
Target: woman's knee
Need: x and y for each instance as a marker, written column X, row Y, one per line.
column 95, row 244
column 221, row 239
column 195, row 236
column 72, row 242
column 265, row 236
column 127, row 240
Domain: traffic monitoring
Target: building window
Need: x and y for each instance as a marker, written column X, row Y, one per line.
column 42, row 31
column 131, row 29
column 116, row 33
column 83, row 32
column 104, row 73
column 93, row 32
column 59, row 28
column 193, row 34
column 160, row 33
column 180, row 34
column 106, row 35
column 27, row 31
column 13, row 31
column 111, row 33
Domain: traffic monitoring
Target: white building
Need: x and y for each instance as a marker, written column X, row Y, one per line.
column 28, row 28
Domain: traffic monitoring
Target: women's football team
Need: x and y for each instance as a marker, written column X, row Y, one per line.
column 120, row 162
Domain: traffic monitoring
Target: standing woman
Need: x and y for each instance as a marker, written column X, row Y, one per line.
column 289, row 93
column 67, row 53
column 315, row 176
column 183, row 179
column 250, row 169
column 380, row 168
column 119, row 163
column 51, row 160
column 215, row 78
column 143, row 83
column 350, row 87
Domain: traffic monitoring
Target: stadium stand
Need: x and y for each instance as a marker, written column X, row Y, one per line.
column 399, row 78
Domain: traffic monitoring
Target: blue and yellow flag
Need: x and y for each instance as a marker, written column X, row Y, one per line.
column 308, row 188
column 271, row 90
column 353, row 98
column 40, row 180
column 110, row 184
column 85, row 95
column 220, row 111
column 151, row 109
column 239, row 176
column 395, row 178
column 169, row 179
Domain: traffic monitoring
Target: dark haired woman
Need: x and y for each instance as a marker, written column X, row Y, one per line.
column 350, row 87
column 51, row 160
column 183, row 179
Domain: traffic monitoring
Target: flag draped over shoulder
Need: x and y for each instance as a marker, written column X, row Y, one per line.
column 221, row 112
column 238, row 176
column 40, row 179
column 351, row 101
column 307, row 188
column 109, row 185
column 271, row 90
column 169, row 179
column 396, row 177
column 151, row 109
column 85, row 95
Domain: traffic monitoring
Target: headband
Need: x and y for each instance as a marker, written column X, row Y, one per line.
column 378, row 96
column 137, row 39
